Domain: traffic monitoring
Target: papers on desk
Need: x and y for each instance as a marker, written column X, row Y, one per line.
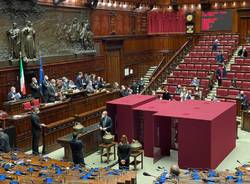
column 17, row 116
column 18, row 96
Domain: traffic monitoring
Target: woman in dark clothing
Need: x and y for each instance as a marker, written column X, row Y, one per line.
column 123, row 153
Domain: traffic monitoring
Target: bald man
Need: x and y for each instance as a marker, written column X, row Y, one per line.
column 105, row 122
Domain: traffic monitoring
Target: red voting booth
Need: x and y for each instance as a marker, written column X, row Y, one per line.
column 206, row 131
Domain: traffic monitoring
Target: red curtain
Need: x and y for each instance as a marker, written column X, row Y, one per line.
column 166, row 22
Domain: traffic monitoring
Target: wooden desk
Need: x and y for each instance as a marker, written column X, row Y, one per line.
column 108, row 152
column 15, row 107
column 53, row 114
column 135, row 161
column 91, row 138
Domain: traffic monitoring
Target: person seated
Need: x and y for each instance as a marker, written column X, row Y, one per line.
column 197, row 93
column 106, row 124
column 243, row 52
column 77, row 150
column 123, row 153
column 90, row 88
column 178, row 89
column 188, row 95
column 123, row 92
column 215, row 45
column 195, row 82
column 98, row 83
column 220, row 58
column 233, row 83
column 35, row 88
column 183, row 94
column 243, row 100
column 65, row 84
column 140, row 84
column 135, row 88
column 4, row 142
column 13, row 95
column 79, row 81
column 116, row 86
column 166, row 95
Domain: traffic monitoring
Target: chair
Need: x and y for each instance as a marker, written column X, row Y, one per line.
column 190, row 66
column 222, row 92
column 233, row 92
column 235, row 68
column 226, row 83
column 27, row 106
column 245, row 85
column 36, row 102
column 171, row 89
column 230, row 75
column 170, row 80
column 240, row 75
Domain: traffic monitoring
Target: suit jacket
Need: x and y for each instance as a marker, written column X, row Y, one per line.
column 77, row 151
column 35, row 90
column 11, row 96
column 123, row 152
column 4, row 143
column 79, row 82
column 106, row 122
column 45, row 85
column 51, row 93
column 36, row 127
column 166, row 96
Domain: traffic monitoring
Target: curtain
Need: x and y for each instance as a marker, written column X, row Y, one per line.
column 166, row 22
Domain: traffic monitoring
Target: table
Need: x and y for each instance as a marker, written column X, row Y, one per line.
column 135, row 161
column 91, row 138
column 121, row 112
column 15, row 107
column 108, row 152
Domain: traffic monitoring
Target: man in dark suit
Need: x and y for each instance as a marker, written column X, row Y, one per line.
column 220, row 58
column 77, row 150
column 166, row 95
column 35, row 130
column 45, row 86
column 79, row 81
column 4, row 142
column 35, row 88
column 52, row 91
column 105, row 122
column 13, row 95
column 215, row 45
column 244, row 100
column 243, row 52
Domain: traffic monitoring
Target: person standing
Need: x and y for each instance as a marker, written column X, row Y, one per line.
column 123, row 153
column 35, row 130
column 35, row 88
column 105, row 123
column 45, row 87
column 77, row 150
column 4, row 142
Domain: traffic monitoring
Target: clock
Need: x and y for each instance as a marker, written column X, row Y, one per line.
column 190, row 17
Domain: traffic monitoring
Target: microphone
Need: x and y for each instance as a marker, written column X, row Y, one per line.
column 239, row 162
column 147, row 174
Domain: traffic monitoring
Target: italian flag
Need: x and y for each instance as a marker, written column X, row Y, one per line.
column 22, row 80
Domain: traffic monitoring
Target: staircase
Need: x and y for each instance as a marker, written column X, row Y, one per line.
column 148, row 75
column 165, row 68
column 212, row 93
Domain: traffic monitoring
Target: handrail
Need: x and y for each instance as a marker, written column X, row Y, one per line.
column 165, row 66
column 157, row 68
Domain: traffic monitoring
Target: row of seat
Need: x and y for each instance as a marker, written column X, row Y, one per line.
column 186, row 81
column 242, row 61
column 206, row 54
column 209, row 47
column 204, row 60
column 222, row 42
column 240, row 68
column 191, row 73
column 172, row 88
column 198, row 66
column 224, row 92
column 220, row 37
column 27, row 106
column 239, row 83
column 238, row 75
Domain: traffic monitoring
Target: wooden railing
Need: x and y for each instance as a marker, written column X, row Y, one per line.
column 165, row 67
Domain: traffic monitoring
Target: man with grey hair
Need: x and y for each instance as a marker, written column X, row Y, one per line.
column 105, row 123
